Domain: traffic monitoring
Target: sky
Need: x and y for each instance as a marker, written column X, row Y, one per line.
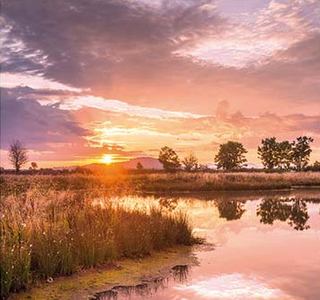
column 81, row 79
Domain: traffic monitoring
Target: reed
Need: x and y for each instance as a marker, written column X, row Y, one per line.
column 45, row 234
column 201, row 181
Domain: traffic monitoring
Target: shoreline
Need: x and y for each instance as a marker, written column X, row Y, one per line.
column 157, row 183
column 87, row 284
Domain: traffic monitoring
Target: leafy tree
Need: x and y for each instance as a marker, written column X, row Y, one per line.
column 316, row 166
column 190, row 162
column 169, row 159
column 301, row 152
column 17, row 155
column 268, row 153
column 231, row 156
column 139, row 166
column 284, row 155
column 34, row 165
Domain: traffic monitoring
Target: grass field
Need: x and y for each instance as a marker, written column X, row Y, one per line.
column 158, row 182
column 225, row 181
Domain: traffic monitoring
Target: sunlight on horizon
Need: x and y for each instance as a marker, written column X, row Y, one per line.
column 107, row 159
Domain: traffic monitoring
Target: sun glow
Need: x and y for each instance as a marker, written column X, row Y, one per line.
column 107, row 159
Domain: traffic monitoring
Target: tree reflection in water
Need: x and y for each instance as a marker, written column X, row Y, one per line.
column 290, row 210
column 230, row 209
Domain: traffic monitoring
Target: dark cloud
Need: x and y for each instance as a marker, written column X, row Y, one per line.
column 35, row 124
column 85, row 40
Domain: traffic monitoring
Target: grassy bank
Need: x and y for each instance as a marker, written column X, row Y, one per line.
column 45, row 234
column 158, row 182
column 128, row 272
column 225, row 181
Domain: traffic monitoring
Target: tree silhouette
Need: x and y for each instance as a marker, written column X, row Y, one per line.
column 284, row 155
column 17, row 155
column 268, row 153
column 139, row 166
column 34, row 165
column 169, row 159
column 292, row 211
column 190, row 162
column 301, row 152
column 231, row 156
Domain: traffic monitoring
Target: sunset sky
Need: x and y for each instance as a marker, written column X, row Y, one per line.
column 84, row 78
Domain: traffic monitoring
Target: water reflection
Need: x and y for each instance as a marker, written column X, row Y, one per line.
column 232, row 286
column 147, row 287
column 292, row 211
column 230, row 209
column 267, row 246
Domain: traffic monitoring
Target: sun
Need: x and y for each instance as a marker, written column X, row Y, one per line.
column 107, row 159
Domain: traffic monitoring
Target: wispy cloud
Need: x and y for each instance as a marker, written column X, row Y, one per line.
column 12, row 80
column 78, row 102
column 255, row 38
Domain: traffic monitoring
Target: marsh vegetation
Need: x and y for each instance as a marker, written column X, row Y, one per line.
column 47, row 233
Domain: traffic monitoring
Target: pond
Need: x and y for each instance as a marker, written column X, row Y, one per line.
column 265, row 246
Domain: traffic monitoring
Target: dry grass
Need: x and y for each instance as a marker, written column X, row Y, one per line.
column 157, row 182
column 183, row 181
column 45, row 233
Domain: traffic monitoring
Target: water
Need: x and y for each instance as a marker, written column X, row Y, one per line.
column 267, row 246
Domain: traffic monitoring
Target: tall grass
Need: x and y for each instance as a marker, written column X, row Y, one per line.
column 183, row 181
column 158, row 182
column 46, row 234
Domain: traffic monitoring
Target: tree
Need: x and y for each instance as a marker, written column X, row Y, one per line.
column 268, row 153
column 139, row 166
column 284, row 155
column 301, row 152
column 190, row 162
column 169, row 159
column 316, row 166
column 18, row 155
column 231, row 156
column 34, row 166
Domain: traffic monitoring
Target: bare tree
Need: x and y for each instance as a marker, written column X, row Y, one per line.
column 18, row 155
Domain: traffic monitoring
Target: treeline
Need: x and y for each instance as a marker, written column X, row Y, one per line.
column 274, row 155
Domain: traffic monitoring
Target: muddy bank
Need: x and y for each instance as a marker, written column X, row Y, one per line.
column 125, row 275
column 148, row 285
